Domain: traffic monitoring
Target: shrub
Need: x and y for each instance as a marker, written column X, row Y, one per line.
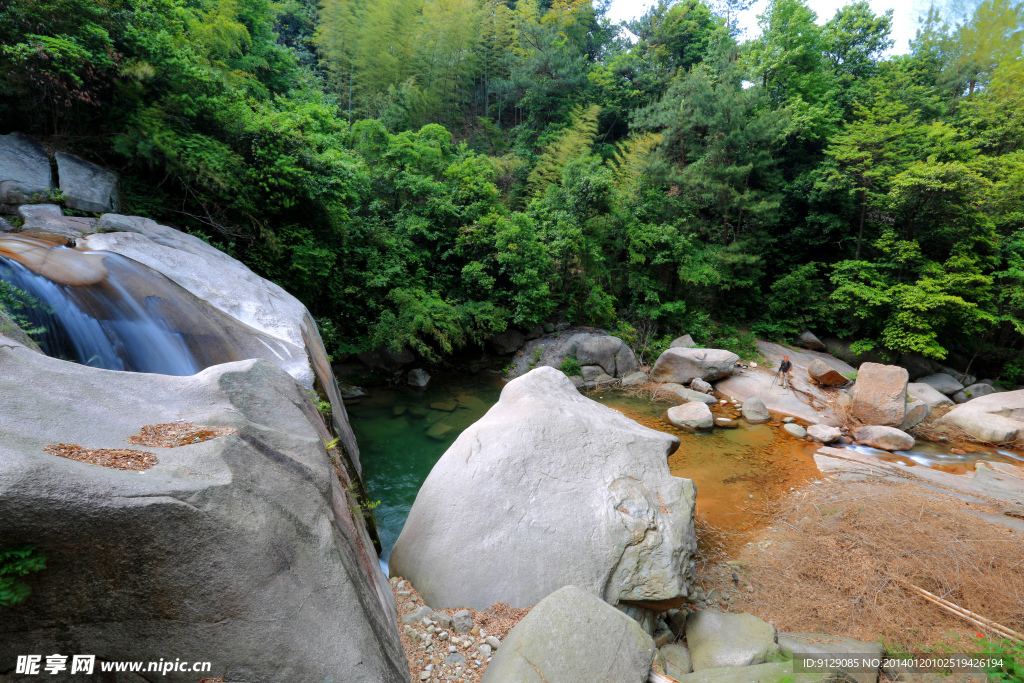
column 571, row 367
column 17, row 562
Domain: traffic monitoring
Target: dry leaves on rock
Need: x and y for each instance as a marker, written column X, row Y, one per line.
column 175, row 434
column 118, row 458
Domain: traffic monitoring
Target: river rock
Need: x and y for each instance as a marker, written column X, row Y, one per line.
column 942, row 382
column 793, row 429
column 462, row 621
column 507, row 342
column 554, row 489
column 86, row 186
column 885, row 438
column 677, row 660
column 774, row 672
column 599, row 351
column 682, row 365
column 211, row 550
column 701, row 386
column 718, row 639
column 687, row 395
column 880, row 394
column 808, row 340
column 587, row 345
column 573, row 637
column 917, row 412
column 51, row 221
column 595, row 373
column 693, row 416
column 418, row 378
column 726, row 423
column 837, row 648
column 996, row 418
column 634, row 379
column 754, row 411
column 684, row 342
column 821, row 372
column 824, row 433
column 972, row 392
column 25, row 174
column 926, row 393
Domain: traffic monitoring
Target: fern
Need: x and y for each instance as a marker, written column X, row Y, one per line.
column 629, row 163
column 573, row 141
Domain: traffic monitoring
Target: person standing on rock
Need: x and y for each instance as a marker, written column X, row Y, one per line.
column 785, row 367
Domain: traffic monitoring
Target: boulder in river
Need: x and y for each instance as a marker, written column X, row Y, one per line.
column 245, row 550
column 885, row 438
column 917, row 412
column 86, row 186
column 754, row 411
column 507, row 342
column 684, row 342
column 926, row 393
column 683, row 365
column 942, row 383
column 418, row 378
column 808, row 340
column 554, row 489
column 588, row 346
column 996, row 418
column 634, row 379
column 25, row 173
column 972, row 392
column 880, row 394
column 694, row 416
column 718, row 639
column 793, row 429
column 573, row 637
column 687, row 395
column 825, row 374
column 824, row 433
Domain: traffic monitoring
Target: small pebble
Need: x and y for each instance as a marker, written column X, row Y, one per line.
column 404, row 594
column 493, row 642
column 485, row 650
column 424, row 675
column 750, row 589
column 452, row 648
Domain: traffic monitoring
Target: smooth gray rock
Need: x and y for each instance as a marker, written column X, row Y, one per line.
column 683, row 365
column 677, row 660
column 834, row 647
column 918, row 366
column 243, row 550
column 825, row 374
column 754, row 411
column 634, row 379
column 416, row 615
column 573, row 637
column 507, row 342
column 25, row 174
column 928, row 394
column 795, row 430
column 687, row 395
column 593, row 373
column 996, row 418
column 49, row 219
column 589, row 346
column 418, row 378
column 917, row 412
column 824, row 433
column 775, row 672
column 462, row 621
column 86, row 186
column 684, row 342
column 599, row 351
column 941, row 382
column 808, row 340
column 990, row 382
column 554, row 489
column 972, row 392
column 694, row 416
column 885, row 438
column 718, row 639
column 701, row 386
column 880, row 394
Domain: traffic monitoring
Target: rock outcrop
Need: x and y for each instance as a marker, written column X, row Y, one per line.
column 507, row 342
column 588, row 346
column 682, row 365
column 808, row 340
column 86, row 186
column 885, row 438
column 25, row 174
column 554, row 489
column 245, row 550
column 880, row 394
column 573, row 637
column 997, row 418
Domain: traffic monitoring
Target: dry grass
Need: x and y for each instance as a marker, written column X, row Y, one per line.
column 176, row 434
column 118, row 458
column 836, row 554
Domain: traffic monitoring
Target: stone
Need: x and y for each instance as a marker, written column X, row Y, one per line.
column 718, row 639
column 677, row 660
column 794, row 429
column 554, row 489
column 683, row 365
column 447, row 406
column 996, row 418
column 928, row 394
column 573, row 637
column 599, row 351
column 880, row 394
column 788, row 419
column 443, row 620
column 493, row 642
column 990, row 382
column 684, row 342
column 837, row 648
column 687, row 395
column 885, row 438
column 775, row 672
column 591, row 373
column 455, row 659
column 507, row 342
column 942, row 382
column 484, row 650
column 25, row 174
column 439, row 431
column 634, row 379
column 586, row 345
column 86, row 186
column 972, row 392
column 49, row 220
column 209, row 551
column 418, row 378
column 842, row 349
column 701, row 386
column 386, row 361
column 693, row 416
column 823, row 373
column 416, row 615
column 726, row 423
column 808, row 340
column 754, row 411
column 10, row 329
column 824, row 433
column 462, row 621
column 917, row 412
column 535, row 332
column 917, row 365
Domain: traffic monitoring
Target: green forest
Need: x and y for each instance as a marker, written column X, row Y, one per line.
column 427, row 173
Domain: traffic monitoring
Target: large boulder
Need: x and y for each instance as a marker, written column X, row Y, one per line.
column 49, row 220
column 885, row 438
column 719, row 639
column 586, row 345
column 684, row 342
column 917, row 412
column 972, row 392
column 687, row 395
column 86, row 186
column 996, row 418
column 926, row 393
column 573, row 637
column 25, row 174
column 823, row 373
column 843, row 350
column 245, row 550
column 553, row 489
column 942, row 383
column 754, row 411
column 507, row 342
column 808, row 340
column 683, row 365
column 880, row 394
column 693, row 416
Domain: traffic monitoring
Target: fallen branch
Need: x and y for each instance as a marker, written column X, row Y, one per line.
column 976, row 619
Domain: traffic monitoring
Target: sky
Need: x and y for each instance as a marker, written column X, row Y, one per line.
column 905, row 14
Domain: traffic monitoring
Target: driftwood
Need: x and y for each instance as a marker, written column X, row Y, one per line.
column 967, row 615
